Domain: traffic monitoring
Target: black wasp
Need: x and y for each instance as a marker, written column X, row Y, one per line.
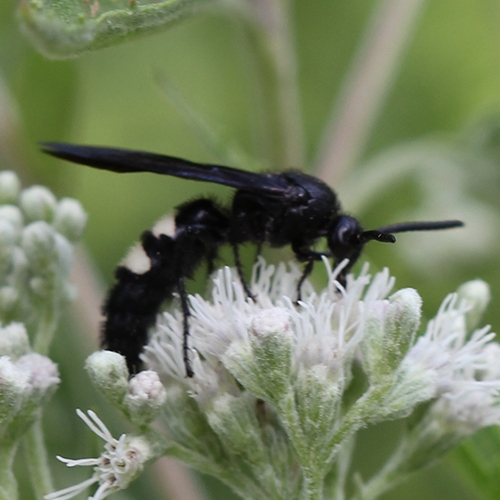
column 287, row 208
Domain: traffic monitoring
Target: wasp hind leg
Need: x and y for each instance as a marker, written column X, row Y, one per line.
column 185, row 327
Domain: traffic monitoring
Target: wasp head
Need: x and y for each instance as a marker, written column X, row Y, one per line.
column 346, row 239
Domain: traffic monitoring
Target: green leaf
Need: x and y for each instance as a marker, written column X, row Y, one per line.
column 478, row 460
column 68, row 28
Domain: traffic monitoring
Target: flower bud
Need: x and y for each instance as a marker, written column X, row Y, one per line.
column 391, row 329
column 317, row 400
column 12, row 215
column 19, row 266
column 38, row 203
column 65, row 254
column 8, row 299
column 402, row 322
column 43, row 375
column 7, row 233
column 9, row 187
column 146, row 397
column 7, row 242
column 108, row 372
column 40, row 286
column 70, row 219
column 14, row 340
column 477, row 294
column 14, row 389
column 271, row 342
column 38, row 243
column 265, row 367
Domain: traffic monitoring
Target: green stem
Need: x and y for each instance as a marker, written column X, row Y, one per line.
column 46, row 327
column 393, row 472
column 8, row 483
column 313, row 486
column 255, row 76
column 366, row 86
column 343, row 464
column 315, row 467
column 37, row 460
column 357, row 417
column 276, row 28
column 283, row 50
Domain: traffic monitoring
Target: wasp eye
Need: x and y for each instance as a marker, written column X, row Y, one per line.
column 344, row 231
column 343, row 237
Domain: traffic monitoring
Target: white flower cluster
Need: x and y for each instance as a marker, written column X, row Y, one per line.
column 27, row 381
column 296, row 363
column 268, row 410
column 37, row 233
column 462, row 365
column 325, row 329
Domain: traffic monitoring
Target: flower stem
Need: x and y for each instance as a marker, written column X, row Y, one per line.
column 366, row 86
column 8, row 483
column 391, row 474
column 46, row 328
column 282, row 46
column 277, row 34
column 36, row 458
column 357, row 417
column 313, row 486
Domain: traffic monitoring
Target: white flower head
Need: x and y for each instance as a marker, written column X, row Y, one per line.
column 283, row 366
column 462, row 370
column 465, row 411
column 324, row 329
column 120, row 463
column 447, row 349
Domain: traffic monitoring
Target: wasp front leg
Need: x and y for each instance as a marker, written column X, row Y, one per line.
column 241, row 275
column 306, row 254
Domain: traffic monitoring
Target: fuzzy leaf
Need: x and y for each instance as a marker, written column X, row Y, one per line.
column 67, row 28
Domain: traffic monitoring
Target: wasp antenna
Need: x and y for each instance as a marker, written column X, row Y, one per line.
column 377, row 235
column 403, row 227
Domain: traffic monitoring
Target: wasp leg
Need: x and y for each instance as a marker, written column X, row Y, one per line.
column 185, row 324
column 305, row 273
column 304, row 254
column 239, row 269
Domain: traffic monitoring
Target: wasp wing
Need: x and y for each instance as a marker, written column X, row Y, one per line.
column 128, row 161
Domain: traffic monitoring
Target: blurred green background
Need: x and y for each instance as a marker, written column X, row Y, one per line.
column 444, row 104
